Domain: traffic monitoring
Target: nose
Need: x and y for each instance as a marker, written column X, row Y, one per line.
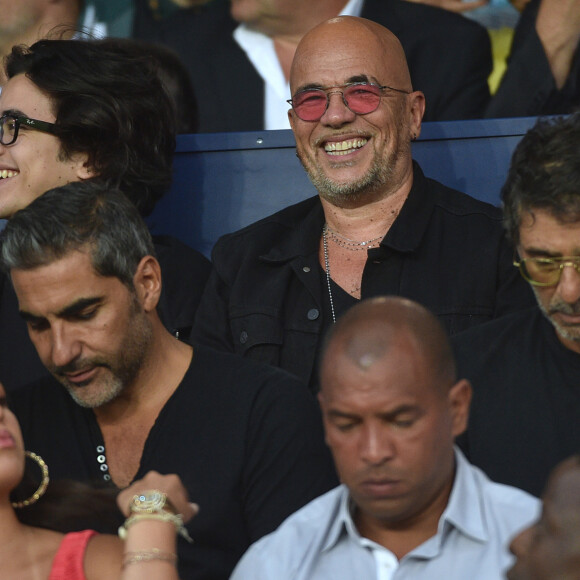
column 337, row 113
column 376, row 445
column 64, row 345
column 569, row 284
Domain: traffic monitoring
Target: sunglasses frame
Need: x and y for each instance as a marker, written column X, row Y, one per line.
column 573, row 261
column 340, row 89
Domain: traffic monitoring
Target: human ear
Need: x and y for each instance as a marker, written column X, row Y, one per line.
column 83, row 169
column 147, row 282
column 416, row 102
column 459, row 401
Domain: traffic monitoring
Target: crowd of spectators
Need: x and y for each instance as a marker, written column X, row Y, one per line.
column 392, row 334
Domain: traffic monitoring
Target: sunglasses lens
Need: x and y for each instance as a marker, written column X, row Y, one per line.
column 310, row 105
column 541, row 271
column 362, row 98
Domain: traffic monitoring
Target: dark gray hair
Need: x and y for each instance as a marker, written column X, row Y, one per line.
column 78, row 215
column 544, row 173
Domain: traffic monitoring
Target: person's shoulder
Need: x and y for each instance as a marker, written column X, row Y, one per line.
column 500, row 508
column 506, row 502
column 284, row 548
column 172, row 253
column 462, row 204
column 310, row 520
column 222, row 370
column 103, row 556
column 499, row 330
column 259, row 238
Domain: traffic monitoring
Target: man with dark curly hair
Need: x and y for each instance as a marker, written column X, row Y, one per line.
column 525, row 367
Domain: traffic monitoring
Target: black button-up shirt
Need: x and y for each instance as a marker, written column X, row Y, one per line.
column 445, row 250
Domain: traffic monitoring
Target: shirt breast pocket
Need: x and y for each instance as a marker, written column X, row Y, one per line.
column 257, row 334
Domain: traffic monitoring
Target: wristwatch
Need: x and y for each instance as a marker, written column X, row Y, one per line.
column 151, row 501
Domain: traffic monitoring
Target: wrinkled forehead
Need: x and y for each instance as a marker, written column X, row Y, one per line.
column 334, row 54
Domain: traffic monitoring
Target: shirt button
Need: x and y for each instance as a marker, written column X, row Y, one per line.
column 313, row 314
column 306, row 269
column 243, row 337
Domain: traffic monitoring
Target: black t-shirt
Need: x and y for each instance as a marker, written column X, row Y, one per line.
column 245, row 438
column 525, row 413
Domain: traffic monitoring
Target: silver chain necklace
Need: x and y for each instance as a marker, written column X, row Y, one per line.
column 327, row 270
column 349, row 244
column 361, row 246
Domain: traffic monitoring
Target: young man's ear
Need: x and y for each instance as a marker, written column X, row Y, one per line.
column 83, row 169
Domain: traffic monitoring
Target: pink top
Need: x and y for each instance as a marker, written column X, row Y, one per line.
column 68, row 564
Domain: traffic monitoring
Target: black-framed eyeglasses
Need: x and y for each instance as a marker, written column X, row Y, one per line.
column 360, row 98
column 10, row 124
column 546, row 271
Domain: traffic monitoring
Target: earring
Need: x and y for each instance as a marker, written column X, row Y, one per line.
column 43, row 484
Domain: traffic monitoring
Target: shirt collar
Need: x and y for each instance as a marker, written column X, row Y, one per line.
column 404, row 235
column 342, row 522
column 407, row 231
column 463, row 512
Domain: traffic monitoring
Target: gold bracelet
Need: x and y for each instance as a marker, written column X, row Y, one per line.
column 148, row 556
column 162, row 516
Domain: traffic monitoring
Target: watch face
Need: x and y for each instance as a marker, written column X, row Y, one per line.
column 149, row 501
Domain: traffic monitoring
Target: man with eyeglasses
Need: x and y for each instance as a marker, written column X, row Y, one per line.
column 525, row 368
column 378, row 225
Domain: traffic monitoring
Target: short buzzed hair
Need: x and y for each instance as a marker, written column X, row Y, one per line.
column 77, row 216
column 367, row 331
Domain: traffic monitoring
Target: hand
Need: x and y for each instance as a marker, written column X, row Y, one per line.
column 169, row 484
column 454, row 5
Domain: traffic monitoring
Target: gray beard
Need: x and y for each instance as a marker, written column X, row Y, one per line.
column 345, row 194
column 561, row 330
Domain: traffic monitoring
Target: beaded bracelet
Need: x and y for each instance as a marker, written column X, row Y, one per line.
column 148, row 556
column 175, row 519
